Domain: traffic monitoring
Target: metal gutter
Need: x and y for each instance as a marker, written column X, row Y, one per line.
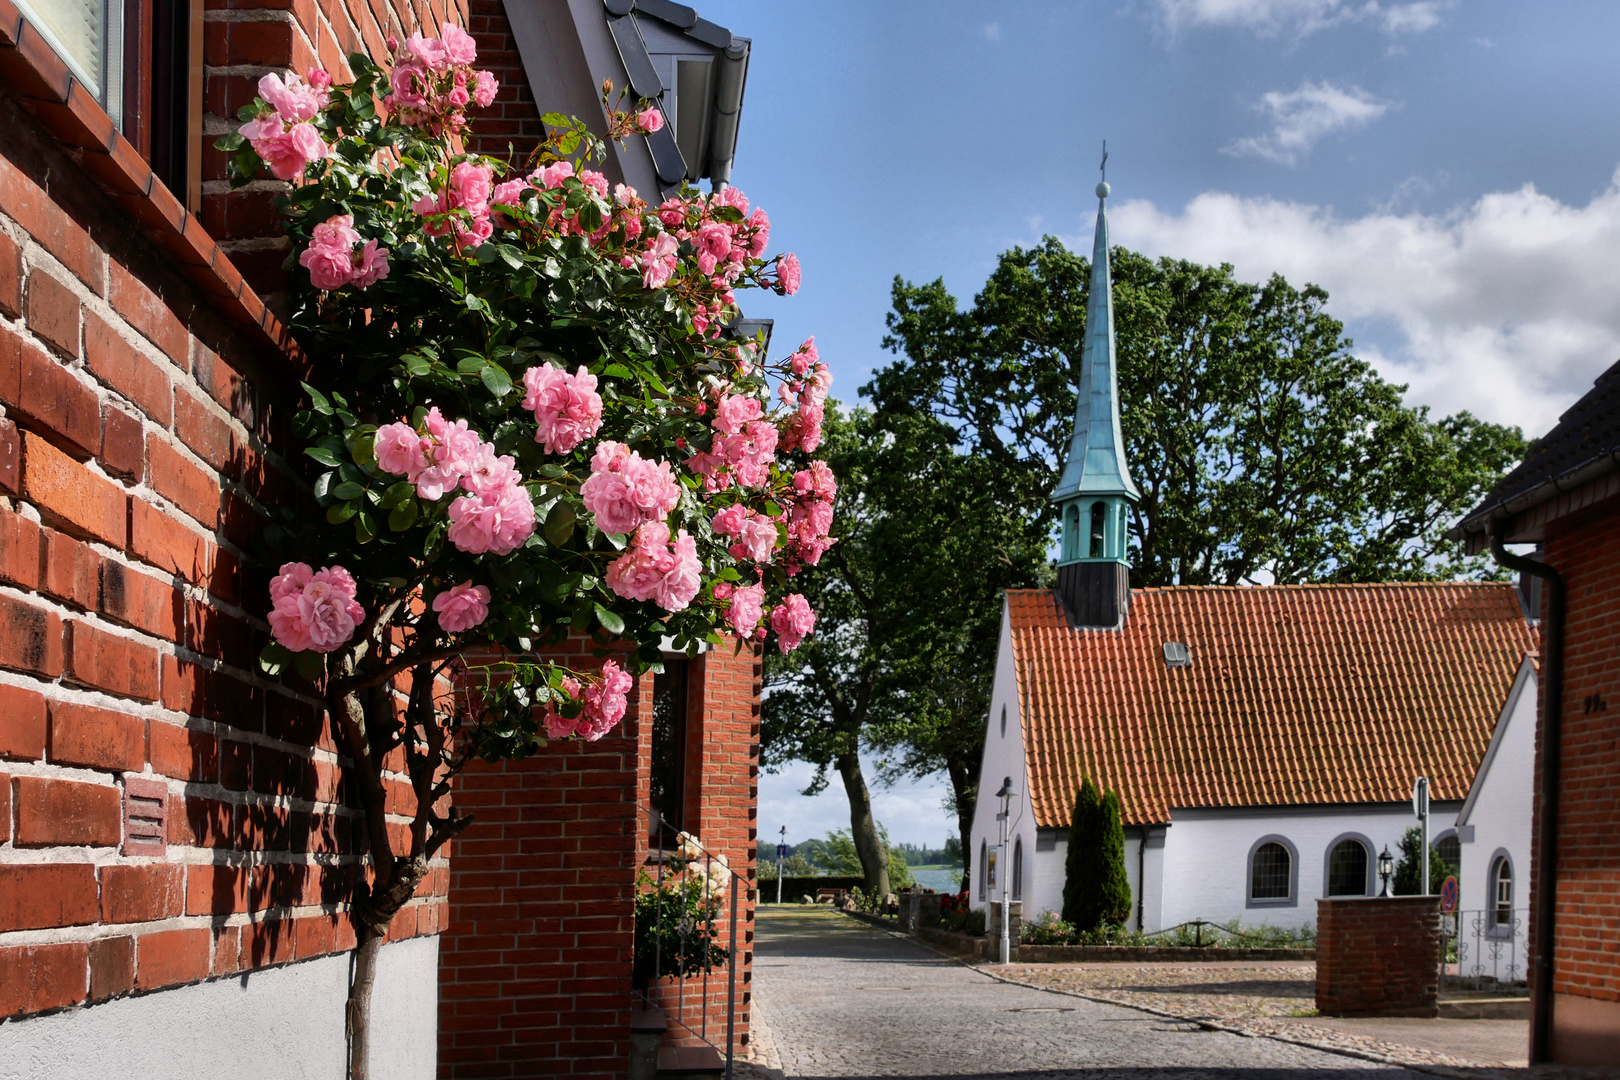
column 1545, row 909
column 1566, row 481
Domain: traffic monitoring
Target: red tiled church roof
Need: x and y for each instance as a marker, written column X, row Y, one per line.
column 1296, row 694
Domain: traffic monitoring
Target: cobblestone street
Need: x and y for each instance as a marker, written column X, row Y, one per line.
column 839, row 1000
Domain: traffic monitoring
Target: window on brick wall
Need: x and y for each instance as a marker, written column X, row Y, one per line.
column 142, row 62
column 668, row 786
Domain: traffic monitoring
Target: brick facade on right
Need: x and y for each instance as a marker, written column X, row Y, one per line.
column 1565, row 497
column 1586, row 947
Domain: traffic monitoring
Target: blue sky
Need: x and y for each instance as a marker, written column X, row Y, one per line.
column 1447, row 171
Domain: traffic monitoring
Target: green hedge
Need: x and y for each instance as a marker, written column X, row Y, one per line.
column 795, row 887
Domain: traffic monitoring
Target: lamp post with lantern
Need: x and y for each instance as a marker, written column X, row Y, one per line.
column 1386, row 869
column 1005, row 795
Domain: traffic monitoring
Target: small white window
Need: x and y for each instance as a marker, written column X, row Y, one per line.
column 1177, row 654
column 89, row 37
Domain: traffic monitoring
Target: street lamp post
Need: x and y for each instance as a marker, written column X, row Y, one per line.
column 1386, row 869
column 1005, row 795
column 780, row 847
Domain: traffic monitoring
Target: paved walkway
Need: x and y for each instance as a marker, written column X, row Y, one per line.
column 840, row 1000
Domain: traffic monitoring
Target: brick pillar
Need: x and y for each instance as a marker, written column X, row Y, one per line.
column 1378, row 956
column 534, row 970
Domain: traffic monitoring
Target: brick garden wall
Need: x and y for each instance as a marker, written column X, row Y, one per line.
column 145, row 394
column 1378, row 956
column 536, row 957
column 1586, row 957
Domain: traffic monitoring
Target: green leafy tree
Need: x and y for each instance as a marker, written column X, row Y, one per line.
column 1409, row 866
column 1078, row 904
column 1262, row 446
column 908, row 602
column 1113, row 887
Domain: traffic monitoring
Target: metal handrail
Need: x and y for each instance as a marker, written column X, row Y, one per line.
column 689, row 864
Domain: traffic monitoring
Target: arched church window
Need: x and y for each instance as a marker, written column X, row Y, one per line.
column 1099, row 529
column 1449, row 848
column 1502, row 892
column 1347, row 869
column 1271, row 872
column 1071, row 532
column 1018, row 870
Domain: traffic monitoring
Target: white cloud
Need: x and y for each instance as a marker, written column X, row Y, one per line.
column 991, row 31
column 1268, row 18
column 1301, row 118
column 1508, row 307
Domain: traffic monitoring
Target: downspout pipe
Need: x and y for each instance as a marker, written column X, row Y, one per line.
column 1546, row 879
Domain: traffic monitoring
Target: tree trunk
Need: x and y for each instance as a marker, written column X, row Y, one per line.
column 965, row 791
column 359, row 1015
column 863, row 826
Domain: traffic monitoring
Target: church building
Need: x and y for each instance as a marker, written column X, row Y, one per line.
column 1263, row 741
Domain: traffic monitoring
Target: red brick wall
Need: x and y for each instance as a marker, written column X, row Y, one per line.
column 1586, row 957
column 536, row 957
column 1378, row 956
column 144, row 396
column 246, row 39
column 513, row 122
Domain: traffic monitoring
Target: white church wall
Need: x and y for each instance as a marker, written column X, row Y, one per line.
column 1495, row 821
column 1206, row 857
column 1003, row 757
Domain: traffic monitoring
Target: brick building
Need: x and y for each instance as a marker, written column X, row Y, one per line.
column 1565, row 498
column 174, row 840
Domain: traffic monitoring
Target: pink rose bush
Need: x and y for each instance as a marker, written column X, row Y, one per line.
column 547, row 404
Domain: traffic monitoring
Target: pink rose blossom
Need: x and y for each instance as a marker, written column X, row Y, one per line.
column 461, row 607
column 733, row 411
column 459, row 46
column 458, row 97
column 792, row 620
column 471, row 185
column 761, row 225
column 401, row 451
column 650, row 120
column 756, row 540
column 729, row 522
column 429, row 53
column 658, row 261
column 289, row 153
column 747, row 609
column 497, row 522
column 370, row 265
column 487, row 474
column 567, row 408
column 320, row 80
column 294, row 100
column 313, row 610
column 484, row 87
column 657, row 568
column 553, row 175
column 606, row 702
column 804, row 357
column 734, row 198
column 787, row 274
column 818, row 479
column 625, row 490
column 408, row 81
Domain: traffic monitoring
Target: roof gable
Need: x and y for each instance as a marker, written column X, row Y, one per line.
column 1304, row 694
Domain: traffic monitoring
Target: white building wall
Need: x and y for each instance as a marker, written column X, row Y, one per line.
column 282, row 1023
column 1495, row 820
column 1003, row 757
column 1050, row 867
column 1206, row 857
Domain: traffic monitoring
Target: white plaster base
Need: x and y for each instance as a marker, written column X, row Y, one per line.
column 284, row 1023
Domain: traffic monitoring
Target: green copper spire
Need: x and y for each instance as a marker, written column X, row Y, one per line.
column 1096, row 481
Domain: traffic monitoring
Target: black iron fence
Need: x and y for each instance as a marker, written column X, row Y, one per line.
column 1485, row 950
column 686, row 946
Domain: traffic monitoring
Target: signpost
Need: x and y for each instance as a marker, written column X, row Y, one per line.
column 1448, row 895
column 1420, row 807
